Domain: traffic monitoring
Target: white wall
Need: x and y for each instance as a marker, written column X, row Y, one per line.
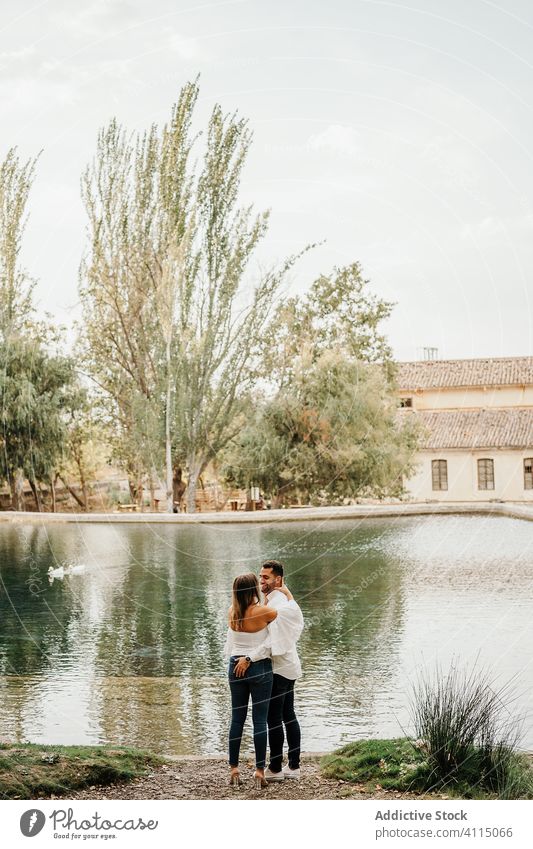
column 460, row 399
column 462, row 476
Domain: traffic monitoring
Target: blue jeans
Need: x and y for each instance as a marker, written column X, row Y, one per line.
column 257, row 683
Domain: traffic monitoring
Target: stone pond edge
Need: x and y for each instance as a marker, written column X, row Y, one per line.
column 303, row 514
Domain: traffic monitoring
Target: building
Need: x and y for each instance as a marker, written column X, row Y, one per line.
column 477, row 421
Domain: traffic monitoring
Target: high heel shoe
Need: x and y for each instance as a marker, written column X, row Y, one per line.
column 259, row 781
column 235, row 780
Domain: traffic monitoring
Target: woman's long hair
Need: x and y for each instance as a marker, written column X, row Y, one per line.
column 245, row 593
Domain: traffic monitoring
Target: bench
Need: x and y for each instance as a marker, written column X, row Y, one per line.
column 237, row 504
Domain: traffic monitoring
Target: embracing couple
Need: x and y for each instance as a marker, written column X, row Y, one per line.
column 263, row 666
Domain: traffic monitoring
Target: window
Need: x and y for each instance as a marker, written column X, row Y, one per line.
column 528, row 473
column 439, row 474
column 485, row 474
column 406, row 402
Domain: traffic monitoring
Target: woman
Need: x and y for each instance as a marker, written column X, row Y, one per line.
column 248, row 622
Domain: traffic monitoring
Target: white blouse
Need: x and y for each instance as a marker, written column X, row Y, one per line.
column 277, row 640
column 243, row 643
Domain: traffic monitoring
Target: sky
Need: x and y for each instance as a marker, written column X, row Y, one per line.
column 395, row 134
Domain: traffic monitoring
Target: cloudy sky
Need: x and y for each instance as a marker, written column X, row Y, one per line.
column 398, row 134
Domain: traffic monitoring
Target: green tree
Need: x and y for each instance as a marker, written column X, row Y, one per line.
column 35, row 385
column 36, row 388
column 337, row 312
column 86, row 449
column 332, row 433
column 222, row 309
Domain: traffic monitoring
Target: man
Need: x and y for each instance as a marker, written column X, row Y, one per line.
column 281, row 646
column 286, row 668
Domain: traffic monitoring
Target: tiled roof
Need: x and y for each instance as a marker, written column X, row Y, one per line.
column 444, row 374
column 510, row 428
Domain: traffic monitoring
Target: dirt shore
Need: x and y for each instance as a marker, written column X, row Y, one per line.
column 207, row 778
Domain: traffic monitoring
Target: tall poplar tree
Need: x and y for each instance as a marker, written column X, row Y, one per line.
column 137, row 199
column 172, row 311
column 16, row 178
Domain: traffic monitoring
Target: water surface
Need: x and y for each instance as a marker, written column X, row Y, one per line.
column 130, row 651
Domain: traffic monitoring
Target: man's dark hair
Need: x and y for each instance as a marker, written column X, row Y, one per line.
column 275, row 565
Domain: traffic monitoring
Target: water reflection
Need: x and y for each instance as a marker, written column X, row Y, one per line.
column 130, row 651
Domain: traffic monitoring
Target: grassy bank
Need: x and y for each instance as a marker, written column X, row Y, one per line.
column 406, row 767
column 28, row 771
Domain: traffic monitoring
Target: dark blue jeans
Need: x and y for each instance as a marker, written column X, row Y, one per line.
column 281, row 713
column 257, row 683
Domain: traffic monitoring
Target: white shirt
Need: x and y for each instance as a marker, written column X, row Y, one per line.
column 278, row 639
column 285, row 632
column 243, row 643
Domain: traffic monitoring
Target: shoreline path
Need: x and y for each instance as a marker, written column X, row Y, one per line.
column 207, row 778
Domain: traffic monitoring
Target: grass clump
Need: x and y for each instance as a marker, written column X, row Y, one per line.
column 30, row 771
column 470, row 737
column 390, row 764
column 467, row 746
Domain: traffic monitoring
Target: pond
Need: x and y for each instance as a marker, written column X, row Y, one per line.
column 129, row 651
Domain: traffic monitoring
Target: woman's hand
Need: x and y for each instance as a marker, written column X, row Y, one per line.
column 240, row 667
column 286, row 592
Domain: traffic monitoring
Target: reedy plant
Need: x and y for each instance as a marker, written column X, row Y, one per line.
column 471, row 739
